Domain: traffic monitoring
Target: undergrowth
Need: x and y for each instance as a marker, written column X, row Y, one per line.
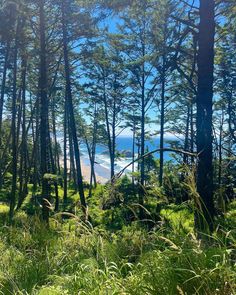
column 75, row 258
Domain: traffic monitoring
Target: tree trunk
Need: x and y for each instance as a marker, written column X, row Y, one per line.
column 94, row 144
column 163, row 81
column 56, row 150
column 192, row 134
column 65, row 183
column 204, row 211
column 142, row 146
column 73, row 176
column 13, row 127
column 133, row 153
column 4, row 75
column 23, row 159
column 113, row 155
column 186, row 140
column 220, row 149
column 44, row 132
column 72, row 123
column 108, row 127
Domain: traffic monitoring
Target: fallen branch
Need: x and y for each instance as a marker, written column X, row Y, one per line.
column 119, row 174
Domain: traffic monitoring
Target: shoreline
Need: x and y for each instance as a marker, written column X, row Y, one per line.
column 101, row 178
column 102, row 173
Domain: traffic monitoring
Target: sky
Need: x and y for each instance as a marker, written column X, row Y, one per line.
column 153, row 113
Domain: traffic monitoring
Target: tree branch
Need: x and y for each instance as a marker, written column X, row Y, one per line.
column 119, row 174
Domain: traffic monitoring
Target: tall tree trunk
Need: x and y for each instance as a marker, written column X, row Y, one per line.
column 72, row 125
column 53, row 169
column 36, row 141
column 23, row 158
column 192, row 134
column 56, row 149
column 73, row 175
column 92, row 173
column 3, row 84
column 92, row 153
column 113, row 155
column 65, row 168
column 4, row 75
column 54, row 153
column 44, row 132
column 94, row 144
column 142, row 145
column 186, row 140
column 108, row 127
column 204, row 212
column 220, row 149
column 133, row 152
column 13, row 126
column 163, row 82
column 184, row 193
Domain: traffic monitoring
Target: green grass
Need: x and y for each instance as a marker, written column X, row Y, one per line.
column 115, row 256
column 72, row 258
column 179, row 218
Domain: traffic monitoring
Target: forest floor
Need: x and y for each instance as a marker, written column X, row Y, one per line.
column 115, row 257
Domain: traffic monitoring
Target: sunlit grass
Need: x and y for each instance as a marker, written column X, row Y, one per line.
column 73, row 258
column 179, row 219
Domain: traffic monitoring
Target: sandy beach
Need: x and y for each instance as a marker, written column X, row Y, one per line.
column 102, row 173
column 101, row 177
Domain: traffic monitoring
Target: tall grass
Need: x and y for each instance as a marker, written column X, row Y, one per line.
column 74, row 258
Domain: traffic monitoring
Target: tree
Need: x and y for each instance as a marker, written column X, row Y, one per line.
column 44, row 124
column 104, row 70
column 68, row 96
column 204, row 211
column 7, row 33
column 138, row 51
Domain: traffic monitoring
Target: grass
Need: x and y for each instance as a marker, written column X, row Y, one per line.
column 179, row 218
column 74, row 258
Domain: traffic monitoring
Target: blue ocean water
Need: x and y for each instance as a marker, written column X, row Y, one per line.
column 123, row 143
column 126, row 143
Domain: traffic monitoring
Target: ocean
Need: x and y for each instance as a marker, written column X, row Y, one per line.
column 124, row 143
